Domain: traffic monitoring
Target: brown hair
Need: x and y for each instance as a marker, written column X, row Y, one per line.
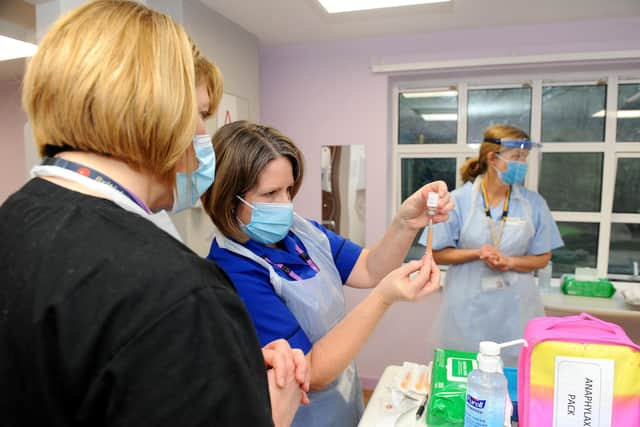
column 478, row 165
column 243, row 150
column 114, row 78
column 208, row 74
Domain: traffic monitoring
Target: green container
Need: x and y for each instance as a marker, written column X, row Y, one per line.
column 449, row 387
column 600, row 288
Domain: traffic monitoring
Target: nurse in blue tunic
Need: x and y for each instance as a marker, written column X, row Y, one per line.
column 497, row 235
column 290, row 271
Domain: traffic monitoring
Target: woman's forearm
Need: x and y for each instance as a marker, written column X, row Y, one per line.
column 388, row 254
column 331, row 354
column 528, row 263
column 448, row 256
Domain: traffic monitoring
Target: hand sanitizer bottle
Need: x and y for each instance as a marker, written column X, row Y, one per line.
column 487, row 392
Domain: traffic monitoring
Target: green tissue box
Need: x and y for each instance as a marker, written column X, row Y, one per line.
column 449, row 387
column 599, row 288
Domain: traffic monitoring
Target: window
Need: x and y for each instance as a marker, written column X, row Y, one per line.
column 573, row 113
column 428, row 117
column 628, row 123
column 588, row 169
column 488, row 107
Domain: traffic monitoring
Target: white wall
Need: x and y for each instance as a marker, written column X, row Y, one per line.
column 12, row 120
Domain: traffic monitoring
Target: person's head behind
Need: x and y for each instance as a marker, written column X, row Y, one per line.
column 243, row 151
column 488, row 153
column 209, row 84
column 114, row 78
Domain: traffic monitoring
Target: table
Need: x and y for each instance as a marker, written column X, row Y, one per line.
column 376, row 414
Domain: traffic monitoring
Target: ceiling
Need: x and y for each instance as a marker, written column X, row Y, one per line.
column 277, row 22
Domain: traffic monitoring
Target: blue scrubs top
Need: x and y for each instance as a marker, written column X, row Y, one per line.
column 269, row 313
column 546, row 238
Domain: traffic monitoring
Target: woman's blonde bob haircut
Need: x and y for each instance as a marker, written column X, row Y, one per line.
column 115, row 78
column 243, row 150
column 478, row 165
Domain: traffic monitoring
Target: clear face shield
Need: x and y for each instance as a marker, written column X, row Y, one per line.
column 516, row 155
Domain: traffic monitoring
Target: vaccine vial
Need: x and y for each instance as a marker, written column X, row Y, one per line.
column 432, row 203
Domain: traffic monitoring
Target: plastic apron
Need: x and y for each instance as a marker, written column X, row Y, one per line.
column 318, row 305
column 160, row 219
column 481, row 304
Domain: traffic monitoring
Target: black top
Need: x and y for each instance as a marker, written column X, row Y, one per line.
column 106, row 320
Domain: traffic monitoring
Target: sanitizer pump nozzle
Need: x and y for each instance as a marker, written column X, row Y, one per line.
column 488, row 402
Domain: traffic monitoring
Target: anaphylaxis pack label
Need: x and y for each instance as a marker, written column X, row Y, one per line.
column 583, row 392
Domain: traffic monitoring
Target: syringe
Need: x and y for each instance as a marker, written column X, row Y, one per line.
column 432, row 205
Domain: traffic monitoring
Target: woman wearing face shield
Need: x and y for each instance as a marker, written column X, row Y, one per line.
column 497, row 235
column 290, row 271
column 106, row 318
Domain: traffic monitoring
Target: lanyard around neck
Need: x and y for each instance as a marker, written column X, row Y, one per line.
column 95, row 175
column 290, row 272
column 487, row 210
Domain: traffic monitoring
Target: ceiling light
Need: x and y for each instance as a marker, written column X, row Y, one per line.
column 628, row 114
column 12, row 48
column 436, row 94
column 445, row 117
column 338, row 6
column 621, row 114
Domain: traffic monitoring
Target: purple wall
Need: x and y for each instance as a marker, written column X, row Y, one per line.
column 325, row 93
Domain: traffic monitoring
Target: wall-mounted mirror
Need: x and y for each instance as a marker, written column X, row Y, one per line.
column 343, row 190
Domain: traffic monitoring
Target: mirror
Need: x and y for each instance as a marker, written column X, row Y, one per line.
column 343, row 181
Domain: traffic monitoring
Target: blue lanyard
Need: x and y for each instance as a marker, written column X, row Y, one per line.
column 95, row 175
column 290, row 272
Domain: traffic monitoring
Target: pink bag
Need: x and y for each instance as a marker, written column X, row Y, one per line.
column 578, row 371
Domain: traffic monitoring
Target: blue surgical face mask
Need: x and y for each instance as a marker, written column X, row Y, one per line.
column 515, row 173
column 270, row 222
column 190, row 186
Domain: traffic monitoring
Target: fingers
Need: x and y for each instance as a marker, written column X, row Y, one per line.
column 410, row 267
column 305, row 398
column 433, row 282
column 278, row 355
column 303, row 371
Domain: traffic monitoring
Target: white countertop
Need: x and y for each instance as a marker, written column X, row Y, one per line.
column 613, row 309
column 553, row 298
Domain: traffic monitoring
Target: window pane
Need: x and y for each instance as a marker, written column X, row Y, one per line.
column 624, row 248
column 580, row 247
column 416, row 173
column 573, row 113
column 626, row 199
column 571, row 181
column 628, row 113
column 488, row 107
column 428, row 117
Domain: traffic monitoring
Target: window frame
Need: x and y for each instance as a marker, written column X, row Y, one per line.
column 465, row 80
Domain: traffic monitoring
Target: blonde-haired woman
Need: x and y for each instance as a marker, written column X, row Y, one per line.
column 106, row 319
column 497, row 235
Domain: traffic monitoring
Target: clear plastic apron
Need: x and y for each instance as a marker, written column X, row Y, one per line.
column 160, row 219
column 317, row 303
column 479, row 303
